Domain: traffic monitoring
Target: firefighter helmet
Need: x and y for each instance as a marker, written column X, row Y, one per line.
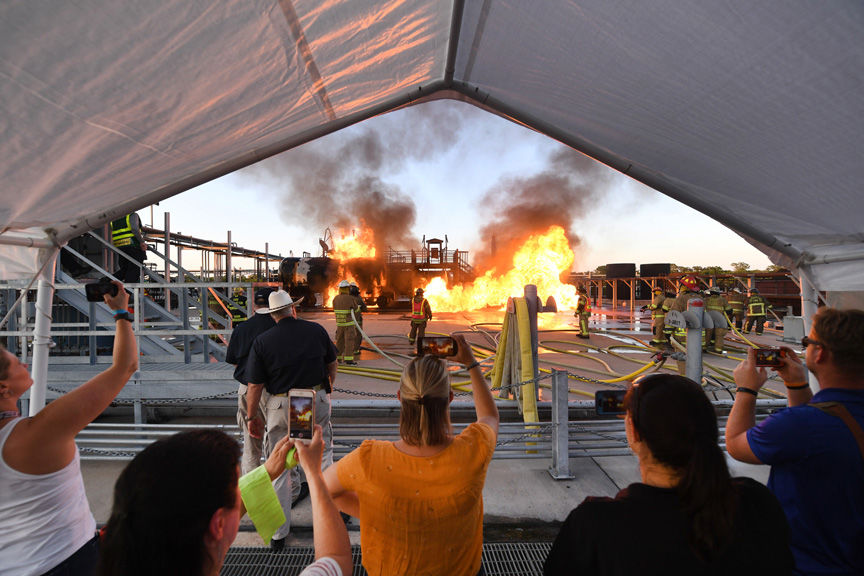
column 689, row 282
column 418, row 292
column 714, row 290
column 656, row 290
column 344, row 284
column 581, row 290
column 754, row 291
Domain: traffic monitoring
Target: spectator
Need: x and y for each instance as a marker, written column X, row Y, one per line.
column 814, row 450
column 177, row 507
column 238, row 354
column 420, row 499
column 294, row 354
column 46, row 520
column 687, row 516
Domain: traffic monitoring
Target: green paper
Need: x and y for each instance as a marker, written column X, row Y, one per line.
column 291, row 460
column 261, row 502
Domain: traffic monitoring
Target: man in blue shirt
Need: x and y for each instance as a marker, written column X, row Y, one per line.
column 817, row 463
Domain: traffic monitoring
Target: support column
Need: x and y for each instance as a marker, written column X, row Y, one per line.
column 228, row 273
column 41, row 335
column 560, row 469
column 167, row 260
column 809, row 305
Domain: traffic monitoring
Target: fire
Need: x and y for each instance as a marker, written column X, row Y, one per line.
column 540, row 261
column 354, row 245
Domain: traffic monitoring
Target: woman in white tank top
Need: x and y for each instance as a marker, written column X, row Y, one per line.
column 47, row 523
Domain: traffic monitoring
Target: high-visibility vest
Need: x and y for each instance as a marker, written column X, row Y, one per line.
column 417, row 314
column 121, row 232
column 756, row 306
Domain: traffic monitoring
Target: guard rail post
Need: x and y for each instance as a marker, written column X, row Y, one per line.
column 205, row 325
column 184, row 316
column 91, row 323
column 560, row 469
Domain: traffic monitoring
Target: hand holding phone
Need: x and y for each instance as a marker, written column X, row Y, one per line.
column 301, row 413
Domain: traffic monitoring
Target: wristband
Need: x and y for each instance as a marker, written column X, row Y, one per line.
column 472, row 365
column 747, row 391
column 122, row 315
column 797, row 386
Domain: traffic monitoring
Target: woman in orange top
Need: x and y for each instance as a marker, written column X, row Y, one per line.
column 420, row 499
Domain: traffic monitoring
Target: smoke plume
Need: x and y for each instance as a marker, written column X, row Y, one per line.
column 561, row 194
column 336, row 181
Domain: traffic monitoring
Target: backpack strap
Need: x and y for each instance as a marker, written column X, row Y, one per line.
column 839, row 410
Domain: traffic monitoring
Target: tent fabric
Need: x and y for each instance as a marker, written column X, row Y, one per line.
column 750, row 112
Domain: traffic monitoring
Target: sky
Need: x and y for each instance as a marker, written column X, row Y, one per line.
column 447, row 167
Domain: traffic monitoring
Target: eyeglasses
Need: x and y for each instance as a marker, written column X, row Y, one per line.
column 805, row 341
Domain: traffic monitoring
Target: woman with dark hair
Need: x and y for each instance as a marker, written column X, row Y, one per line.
column 687, row 516
column 420, row 499
column 45, row 519
column 177, row 508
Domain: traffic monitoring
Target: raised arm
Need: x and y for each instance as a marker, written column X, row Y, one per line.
column 50, row 434
column 484, row 402
column 330, row 536
column 743, row 414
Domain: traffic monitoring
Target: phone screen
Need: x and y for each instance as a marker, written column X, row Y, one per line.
column 608, row 402
column 440, row 346
column 301, row 416
column 769, row 357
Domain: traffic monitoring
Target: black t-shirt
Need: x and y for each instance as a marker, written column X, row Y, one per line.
column 241, row 342
column 294, row 354
column 643, row 531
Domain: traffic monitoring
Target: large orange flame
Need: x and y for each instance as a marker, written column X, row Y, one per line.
column 540, row 261
column 354, row 245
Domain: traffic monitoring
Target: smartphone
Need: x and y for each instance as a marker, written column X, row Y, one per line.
column 96, row 290
column 440, row 346
column 301, row 413
column 609, row 402
column 769, row 357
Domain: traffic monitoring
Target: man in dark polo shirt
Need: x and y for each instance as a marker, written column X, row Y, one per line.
column 238, row 354
column 295, row 354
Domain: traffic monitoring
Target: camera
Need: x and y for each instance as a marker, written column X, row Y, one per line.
column 440, row 346
column 769, row 357
column 609, row 402
column 96, row 290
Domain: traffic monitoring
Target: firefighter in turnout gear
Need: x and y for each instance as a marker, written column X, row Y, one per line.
column 421, row 313
column 658, row 308
column 127, row 237
column 346, row 330
column 354, row 290
column 757, row 310
column 739, row 305
column 716, row 301
column 687, row 290
column 583, row 311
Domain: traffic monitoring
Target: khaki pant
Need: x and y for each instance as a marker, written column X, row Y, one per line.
column 252, row 447
column 346, row 337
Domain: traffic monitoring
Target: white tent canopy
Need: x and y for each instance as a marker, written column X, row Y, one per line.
column 750, row 112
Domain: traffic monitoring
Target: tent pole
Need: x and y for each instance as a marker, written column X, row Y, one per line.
column 809, row 305
column 42, row 335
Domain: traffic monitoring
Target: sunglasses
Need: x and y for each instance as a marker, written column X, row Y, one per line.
column 805, row 341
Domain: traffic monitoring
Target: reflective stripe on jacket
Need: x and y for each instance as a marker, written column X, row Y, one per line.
column 121, row 232
column 417, row 312
column 756, row 306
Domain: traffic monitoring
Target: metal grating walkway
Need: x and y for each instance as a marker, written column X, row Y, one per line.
column 500, row 559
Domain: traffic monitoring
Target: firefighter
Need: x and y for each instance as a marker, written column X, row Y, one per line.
column 687, row 290
column 583, row 311
column 717, row 302
column 658, row 314
column 668, row 301
column 739, row 304
column 421, row 313
column 346, row 330
column 757, row 310
column 354, row 290
column 127, row 237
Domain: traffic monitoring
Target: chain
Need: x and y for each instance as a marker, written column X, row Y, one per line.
column 160, row 401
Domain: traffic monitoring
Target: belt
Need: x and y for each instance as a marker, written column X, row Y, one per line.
column 317, row 387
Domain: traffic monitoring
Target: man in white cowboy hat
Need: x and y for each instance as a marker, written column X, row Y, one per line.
column 294, row 354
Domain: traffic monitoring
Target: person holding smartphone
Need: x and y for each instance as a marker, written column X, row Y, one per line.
column 420, row 499
column 46, row 520
column 687, row 515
